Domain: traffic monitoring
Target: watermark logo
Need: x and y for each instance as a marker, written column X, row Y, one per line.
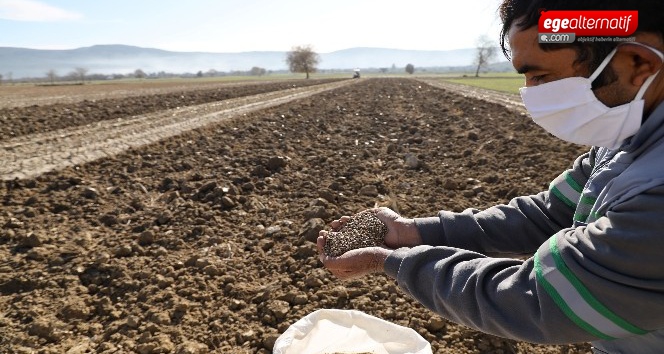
column 557, row 37
column 587, row 26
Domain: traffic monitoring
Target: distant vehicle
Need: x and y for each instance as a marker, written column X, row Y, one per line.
column 356, row 74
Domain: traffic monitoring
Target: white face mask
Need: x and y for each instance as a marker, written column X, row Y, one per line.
column 569, row 109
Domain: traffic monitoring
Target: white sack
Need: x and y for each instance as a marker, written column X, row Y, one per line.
column 348, row 331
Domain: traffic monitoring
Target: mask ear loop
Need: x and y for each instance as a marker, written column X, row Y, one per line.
column 651, row 78
column 646, row 84
column 603, row 65
column 644, row 87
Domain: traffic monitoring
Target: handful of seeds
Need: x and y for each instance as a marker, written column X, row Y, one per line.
column 363, row 229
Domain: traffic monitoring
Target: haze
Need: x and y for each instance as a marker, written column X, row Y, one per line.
column 229, row 26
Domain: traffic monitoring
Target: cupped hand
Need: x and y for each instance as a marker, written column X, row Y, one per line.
column 354, row 263
column 402, row 232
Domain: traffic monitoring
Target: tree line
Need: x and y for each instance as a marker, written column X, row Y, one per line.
column 82, row 75
column 300, row 59
column 303, row 59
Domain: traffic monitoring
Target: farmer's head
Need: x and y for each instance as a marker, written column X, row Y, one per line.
column 625, row 73
column 591, row 93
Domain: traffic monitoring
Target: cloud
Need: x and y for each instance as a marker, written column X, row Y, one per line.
column 34, row 11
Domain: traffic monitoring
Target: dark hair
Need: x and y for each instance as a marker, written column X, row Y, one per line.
column 525, row 14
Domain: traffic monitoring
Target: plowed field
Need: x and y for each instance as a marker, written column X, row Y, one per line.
column 200, row 241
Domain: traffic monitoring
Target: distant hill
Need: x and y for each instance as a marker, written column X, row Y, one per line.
column 123, row 59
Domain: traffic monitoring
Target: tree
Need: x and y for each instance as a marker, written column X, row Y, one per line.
column 80, row 73
column 0, row 79
column 410, row 69
column 51, row 75
column 140, row 74
column 486, row 50
column 302, row 59
column 199, row 73
column 256, row 71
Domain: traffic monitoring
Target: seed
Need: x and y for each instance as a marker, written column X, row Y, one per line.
column 363, row 229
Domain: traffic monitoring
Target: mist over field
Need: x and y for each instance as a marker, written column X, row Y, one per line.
column 122, row 59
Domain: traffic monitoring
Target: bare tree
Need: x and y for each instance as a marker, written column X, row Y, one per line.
column 410, row 68
column 302, row 59
column 51, row 75
column 80, row 73
column 486, row 50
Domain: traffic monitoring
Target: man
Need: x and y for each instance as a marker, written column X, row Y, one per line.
column 596, row 237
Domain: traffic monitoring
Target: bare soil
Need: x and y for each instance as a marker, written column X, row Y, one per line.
column 31, row 155
column 202, row 242
column 32, row 109
column 22, row 95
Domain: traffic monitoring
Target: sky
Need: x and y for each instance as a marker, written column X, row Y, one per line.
column 230, row 26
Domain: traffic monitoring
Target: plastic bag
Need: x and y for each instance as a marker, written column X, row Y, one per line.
column 348, row 331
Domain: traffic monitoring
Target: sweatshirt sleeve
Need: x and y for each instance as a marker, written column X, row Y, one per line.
column 599, row 281
column 516, row 228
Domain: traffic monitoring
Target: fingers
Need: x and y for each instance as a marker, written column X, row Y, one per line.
column 383, row 213
column 386, row 214
column 333, row 264
column 354, row 263
column 328, row 261
column 320, row 244
column 379, row 209
column 337, row 224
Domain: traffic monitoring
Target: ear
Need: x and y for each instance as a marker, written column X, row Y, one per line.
column 643, row 62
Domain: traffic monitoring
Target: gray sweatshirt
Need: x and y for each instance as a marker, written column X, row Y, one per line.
column 597, row 273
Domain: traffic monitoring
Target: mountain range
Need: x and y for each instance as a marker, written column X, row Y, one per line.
column 123, row 59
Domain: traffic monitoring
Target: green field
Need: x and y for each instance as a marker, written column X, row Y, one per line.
column 498, row 82
column 504, row 82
